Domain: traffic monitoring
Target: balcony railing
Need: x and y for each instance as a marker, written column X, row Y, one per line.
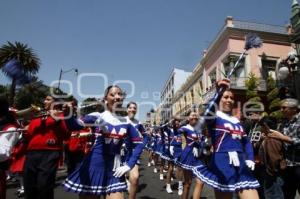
column 240, row 83
column 236, row 83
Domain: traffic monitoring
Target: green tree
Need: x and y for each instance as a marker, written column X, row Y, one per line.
column 3, row 91
column 32, row 93
column 251, row 89
column 273, row 99
column 24, row 55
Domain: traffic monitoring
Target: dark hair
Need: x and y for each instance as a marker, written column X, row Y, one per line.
column 229, row 90
column 134, row 103
column 108, row 89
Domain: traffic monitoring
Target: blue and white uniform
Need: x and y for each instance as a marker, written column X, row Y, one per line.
column 165, row 153
column 159, row 140
column 227, row 135
column 176, row 142
column 129, row 145
column 187, row 160
column 95, row 174
column 150, row 140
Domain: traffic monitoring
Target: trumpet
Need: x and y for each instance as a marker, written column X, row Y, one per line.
column 98, row 103
column 13, row 131
column 28, row 111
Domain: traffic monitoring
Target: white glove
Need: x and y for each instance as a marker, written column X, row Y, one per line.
column 234, row 158
column 121, row 171
column 172, row 150
column 195, row 152
column 250, row 164
column 122, row 152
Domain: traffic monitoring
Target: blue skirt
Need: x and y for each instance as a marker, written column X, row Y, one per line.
column 165, row 154
column 225, row 177
column 159, row 149
column 95, row 176
column 177, row 152
column 150, row 146
column 187, row 160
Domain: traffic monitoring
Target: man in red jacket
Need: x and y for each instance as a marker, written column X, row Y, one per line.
column 45, row 144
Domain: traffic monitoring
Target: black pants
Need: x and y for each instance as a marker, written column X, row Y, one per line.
column 39, row 174
column 291, row 178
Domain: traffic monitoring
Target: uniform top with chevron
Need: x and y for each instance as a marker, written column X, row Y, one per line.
column 227, row 134
column 176, row 139
column 157, row 137
column 140, row 129
column 192, row 136
column 137, row 125
column 112, row 131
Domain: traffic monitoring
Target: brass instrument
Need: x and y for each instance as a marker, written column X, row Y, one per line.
column 28, row 111
column 12, row 131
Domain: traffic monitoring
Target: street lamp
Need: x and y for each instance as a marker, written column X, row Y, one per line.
column 288, row 74
column 63, row 72
column 288, row 71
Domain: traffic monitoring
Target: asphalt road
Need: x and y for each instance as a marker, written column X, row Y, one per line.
column 150, row 187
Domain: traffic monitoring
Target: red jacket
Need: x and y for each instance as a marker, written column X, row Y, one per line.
column 47, row 134
column 78, row 142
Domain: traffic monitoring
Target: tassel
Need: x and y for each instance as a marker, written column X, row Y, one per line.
column 252, row 41
column 13, row 69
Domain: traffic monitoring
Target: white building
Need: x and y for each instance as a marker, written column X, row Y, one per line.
column 172, row 85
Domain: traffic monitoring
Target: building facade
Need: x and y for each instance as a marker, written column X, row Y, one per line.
column 172, row 85
column 220, row 57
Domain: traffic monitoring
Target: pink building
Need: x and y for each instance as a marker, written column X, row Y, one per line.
column 225, row 50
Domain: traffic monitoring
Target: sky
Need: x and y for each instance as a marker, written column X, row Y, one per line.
column 133, row 43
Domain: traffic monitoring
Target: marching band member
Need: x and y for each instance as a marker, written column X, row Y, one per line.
column 8, row 138
column 157, row 145
column 232, row 160
column 175, row 151
column 76, row 148
column 45, row 144
column 134, row 172
column 101, row 173
column 189, row 157
column 17, row 162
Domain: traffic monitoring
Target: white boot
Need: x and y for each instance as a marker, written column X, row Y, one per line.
column 180, row 188
column 155, row 170
column 152, row 162
column 149, row 164
column 169, row 189
column 161, row 176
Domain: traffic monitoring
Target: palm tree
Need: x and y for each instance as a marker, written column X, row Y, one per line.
column 24, row 55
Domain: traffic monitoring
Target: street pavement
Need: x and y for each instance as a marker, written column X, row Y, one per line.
column 150, row 187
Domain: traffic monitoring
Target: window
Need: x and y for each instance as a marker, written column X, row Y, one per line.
column 200, row 83
column 192, row 95
column 268, row 68
column 229, row 63
column 213, row 77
